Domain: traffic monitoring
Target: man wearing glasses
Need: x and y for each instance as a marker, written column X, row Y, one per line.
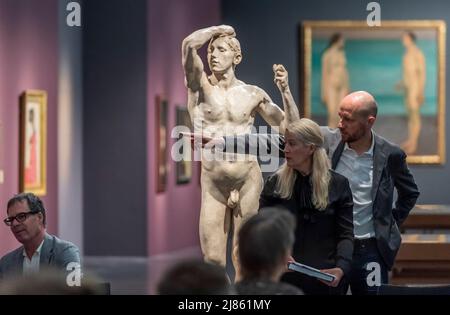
column 26, row 218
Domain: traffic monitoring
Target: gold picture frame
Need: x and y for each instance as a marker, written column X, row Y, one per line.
column 33, row 142
column 375, row 57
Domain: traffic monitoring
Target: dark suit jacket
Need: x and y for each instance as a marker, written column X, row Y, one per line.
column 55, row 253
column 390, row 171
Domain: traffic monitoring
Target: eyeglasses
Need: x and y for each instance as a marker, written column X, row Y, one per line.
column 20, row 217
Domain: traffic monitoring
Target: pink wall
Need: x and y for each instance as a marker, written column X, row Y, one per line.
column 173, row 215
column 28, row 60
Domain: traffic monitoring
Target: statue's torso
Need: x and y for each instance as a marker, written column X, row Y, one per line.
column 224, row 112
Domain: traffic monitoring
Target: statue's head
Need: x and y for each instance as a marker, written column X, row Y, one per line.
column 224, row 51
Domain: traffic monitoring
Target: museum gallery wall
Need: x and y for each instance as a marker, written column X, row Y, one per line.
column 282, row 43
column 29, row 61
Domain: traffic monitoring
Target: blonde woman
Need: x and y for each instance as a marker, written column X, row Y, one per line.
column 322, row 202
column 319, row 198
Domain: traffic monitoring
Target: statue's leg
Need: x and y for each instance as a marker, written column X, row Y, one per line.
column 248, row 207
column 214, row 228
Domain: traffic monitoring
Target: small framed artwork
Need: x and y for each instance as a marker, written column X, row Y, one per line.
column 33, row 142
column 184, row 167
column 401, row 63
column 161, row 143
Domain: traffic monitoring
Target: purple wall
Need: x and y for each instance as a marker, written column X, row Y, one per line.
column 173, row 215
column 28, row 60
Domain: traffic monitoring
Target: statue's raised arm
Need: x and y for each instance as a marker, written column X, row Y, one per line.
column 291, row 112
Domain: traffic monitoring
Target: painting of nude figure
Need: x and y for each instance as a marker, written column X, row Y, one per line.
column 401, row 63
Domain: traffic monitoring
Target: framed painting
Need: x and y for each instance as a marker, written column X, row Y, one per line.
column 401, row 63
column 184, row 167
column 161, row 141
column 33, row 142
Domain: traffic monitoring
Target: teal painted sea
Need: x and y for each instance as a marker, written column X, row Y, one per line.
column 376, row 66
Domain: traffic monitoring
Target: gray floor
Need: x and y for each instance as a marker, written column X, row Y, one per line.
column 134, row 275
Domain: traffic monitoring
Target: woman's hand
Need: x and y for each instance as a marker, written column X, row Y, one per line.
column 337, row 272
column 289, row 259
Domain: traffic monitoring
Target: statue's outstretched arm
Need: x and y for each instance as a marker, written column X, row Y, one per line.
column 291, row 112
column 271, row 112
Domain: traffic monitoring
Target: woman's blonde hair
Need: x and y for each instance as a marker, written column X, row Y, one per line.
column 308, row 132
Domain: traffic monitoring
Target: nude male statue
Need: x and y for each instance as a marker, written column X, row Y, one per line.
column 220, row 105
column 414, row 86
column 335, row 79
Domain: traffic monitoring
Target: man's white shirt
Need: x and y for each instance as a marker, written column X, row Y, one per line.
column 31, row 266
column 359, row 171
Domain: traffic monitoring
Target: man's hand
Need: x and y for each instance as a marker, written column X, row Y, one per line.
column 337, row 272
column 281, row 77
column 203, row 141
column 209, row 143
